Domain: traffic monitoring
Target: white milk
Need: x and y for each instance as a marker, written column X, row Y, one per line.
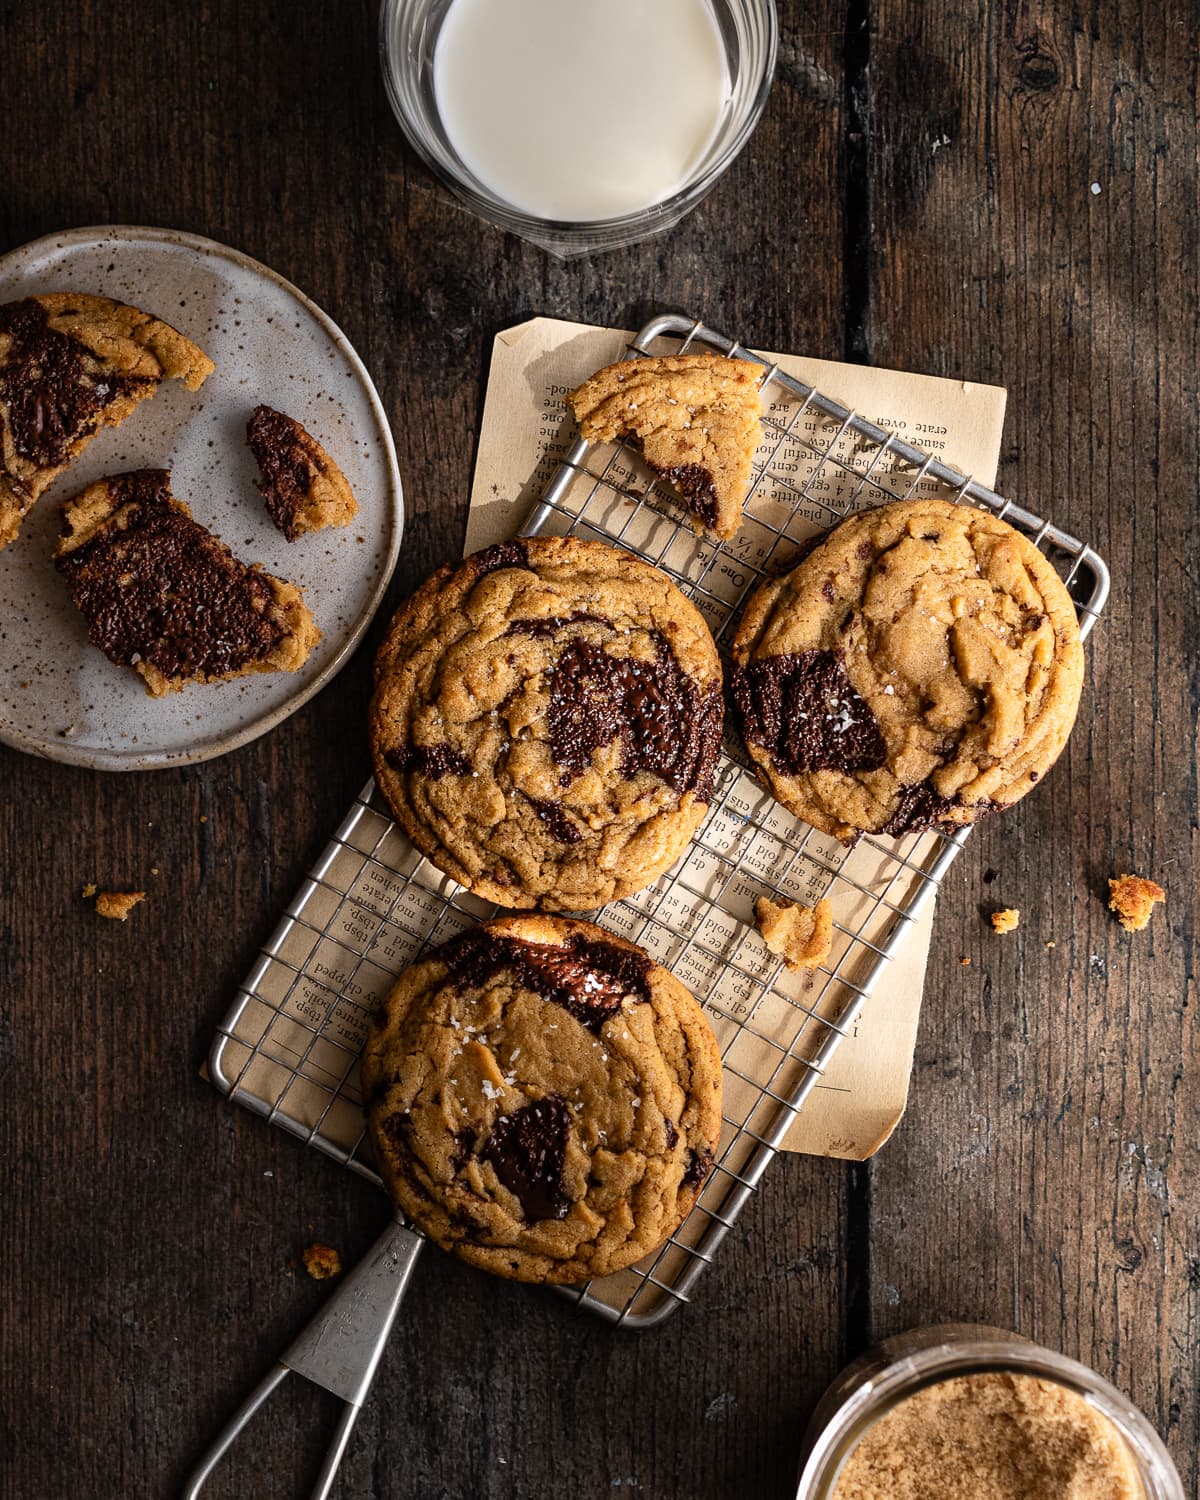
column 580, row 109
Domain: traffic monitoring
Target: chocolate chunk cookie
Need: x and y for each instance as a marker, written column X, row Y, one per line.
column 166, row 597
column 546, row 722
column 920, row 667
column 544, row 1100
column 70, row 365
column 302, row 487
column 696, row 418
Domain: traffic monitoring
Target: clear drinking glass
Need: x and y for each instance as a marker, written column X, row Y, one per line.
column 408, row 35
column 880, row 1379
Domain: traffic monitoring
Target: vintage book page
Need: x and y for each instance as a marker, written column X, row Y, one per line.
column 526, row 430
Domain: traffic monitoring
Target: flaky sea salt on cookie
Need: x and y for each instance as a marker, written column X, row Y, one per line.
column 544, row 1100
column 920, row 667
column 164, row 596
column 696, row 419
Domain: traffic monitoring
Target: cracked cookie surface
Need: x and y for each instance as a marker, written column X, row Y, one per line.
column 70, row 365
column 546, row 722
column 544, row 1100
column 161, row 594
column 920, row 667
column 696, row 419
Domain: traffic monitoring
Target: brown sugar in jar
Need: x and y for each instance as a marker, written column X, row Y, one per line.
column 993, row 1436
column 960, row 1411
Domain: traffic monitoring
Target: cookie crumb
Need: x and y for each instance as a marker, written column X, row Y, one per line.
column 1051, row 943
column 89, row 890
column 117, row 904
column 801, row 935
column 965, row 962
column 322, row 1261
column 1133, row 898
column 1007, row 920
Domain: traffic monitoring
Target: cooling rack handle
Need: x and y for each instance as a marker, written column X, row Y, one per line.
column 339, row 1350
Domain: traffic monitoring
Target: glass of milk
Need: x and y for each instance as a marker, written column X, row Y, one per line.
column 581, row 125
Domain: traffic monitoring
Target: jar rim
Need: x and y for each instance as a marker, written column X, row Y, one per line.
column 986, row 1351
column 616, row 229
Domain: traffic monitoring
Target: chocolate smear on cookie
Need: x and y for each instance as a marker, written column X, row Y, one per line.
column 288, row 467
column 698, row 1168
column 432, row 761
column 697, row 486
column 801, row 708
column 543, row 629
column 512, row 554
column 666, row 725
column 920, row 807
column 160, row 588
column 557, row 824
column 589, row 978
column 527, row 1149
column 51, row 398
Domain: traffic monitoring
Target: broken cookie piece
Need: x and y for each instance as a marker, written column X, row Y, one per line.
column 117, row 904
column 696, row 418
column 801, row 935
column 1134, row 898
column 304, row 490
column 163, row 595
column 69, row 366
column 1006, row 921
column 321, row 1261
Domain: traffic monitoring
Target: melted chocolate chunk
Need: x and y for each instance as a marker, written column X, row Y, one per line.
column 164, row 590
column 695, row 484
column 698, row 1167
column 558, row 824
column 398, row 1129
column 527, row 1149
column 921, row 807
column 433, row 761
column 51, row 398
column 801, row 709
column 588, row 978
column 513, row 554
column 288, row 466
column 671, row 1132
column 463, row 1148
column 542, row 629
column 665, row 724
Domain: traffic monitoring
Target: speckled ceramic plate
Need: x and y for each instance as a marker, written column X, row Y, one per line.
column 61, row 698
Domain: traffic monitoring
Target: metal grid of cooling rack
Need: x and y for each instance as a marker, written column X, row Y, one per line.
column 289, row 1047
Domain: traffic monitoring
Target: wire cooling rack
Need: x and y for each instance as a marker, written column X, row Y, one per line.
column 290, row 1045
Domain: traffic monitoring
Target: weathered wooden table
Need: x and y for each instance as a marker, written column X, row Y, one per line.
column 1009, row 197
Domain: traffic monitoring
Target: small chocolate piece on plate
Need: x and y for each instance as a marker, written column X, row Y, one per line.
column 302, row 487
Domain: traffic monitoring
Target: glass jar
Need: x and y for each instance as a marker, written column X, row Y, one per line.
column 408, row 36
column 879, row 1380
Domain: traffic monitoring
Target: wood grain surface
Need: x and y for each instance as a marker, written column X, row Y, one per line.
column 1009, row 196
